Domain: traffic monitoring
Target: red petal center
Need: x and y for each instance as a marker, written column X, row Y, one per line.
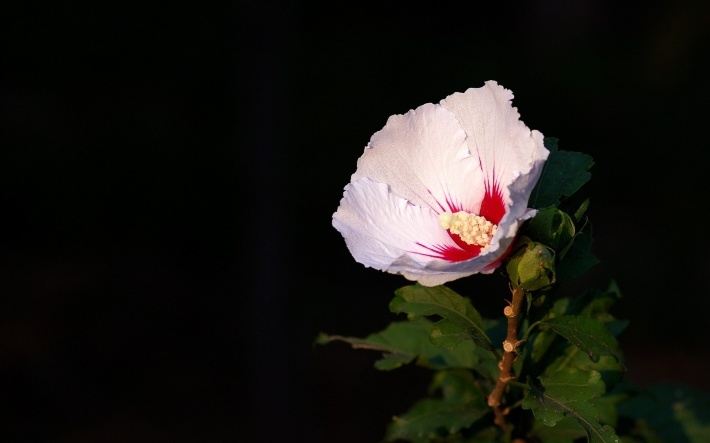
column 492, row 206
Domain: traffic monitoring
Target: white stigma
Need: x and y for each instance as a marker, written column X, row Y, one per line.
column 472, row 229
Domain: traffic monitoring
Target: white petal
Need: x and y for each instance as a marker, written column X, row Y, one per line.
column 424, row 158
column 385, row 232
column 523, row 184
column 505, row 147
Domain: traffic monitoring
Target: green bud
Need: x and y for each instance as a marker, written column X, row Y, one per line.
column 532, row 266
column 552, row 227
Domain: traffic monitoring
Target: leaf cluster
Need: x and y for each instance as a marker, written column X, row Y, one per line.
column 567, row 361
column 569, row 369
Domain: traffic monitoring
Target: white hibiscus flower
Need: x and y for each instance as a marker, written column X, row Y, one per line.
column 441, row 191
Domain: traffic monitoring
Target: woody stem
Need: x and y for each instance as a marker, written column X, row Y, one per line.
column 495, row 399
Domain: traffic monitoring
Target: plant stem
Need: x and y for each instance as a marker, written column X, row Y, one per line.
column 495, row 399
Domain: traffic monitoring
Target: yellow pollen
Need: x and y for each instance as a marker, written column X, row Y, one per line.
column 472, row 229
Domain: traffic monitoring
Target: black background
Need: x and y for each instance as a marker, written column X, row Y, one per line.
column 169, row 171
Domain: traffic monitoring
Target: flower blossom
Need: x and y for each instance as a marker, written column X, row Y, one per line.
column 441, row 191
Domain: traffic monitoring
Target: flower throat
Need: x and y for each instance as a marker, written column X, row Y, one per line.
column 472, row 229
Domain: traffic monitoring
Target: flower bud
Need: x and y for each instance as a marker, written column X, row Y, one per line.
column 551, row 227
column 532, row 266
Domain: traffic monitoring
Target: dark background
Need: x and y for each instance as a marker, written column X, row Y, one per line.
column 168, row 174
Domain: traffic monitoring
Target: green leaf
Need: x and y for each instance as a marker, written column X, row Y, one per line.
column 544, row 337
column 417, row 300
column 404, row 342
column 550, row 351
column 551, row 143
column 430, row 418
column 485, row 435
column 608, row 367
column 462, row 403
column 579, row 213
column 595, row 304
column 458, row 386
column 564, row 173
column 567, row 430
column 447, row 334
column 590, row 335
column 578, row 258
column 568, row 393
column 607, row 405
column 671, row 411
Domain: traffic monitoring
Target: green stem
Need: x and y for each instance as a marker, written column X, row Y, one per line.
column 530, row 328
column 519, row 385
